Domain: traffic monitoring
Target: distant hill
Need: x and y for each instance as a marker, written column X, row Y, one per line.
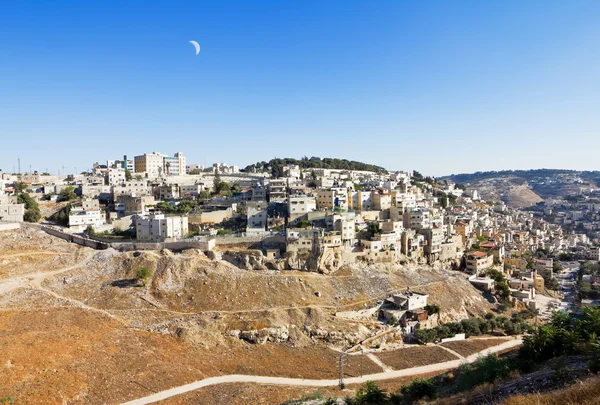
column 526, row 175
column 313, row 163
column 522, row 188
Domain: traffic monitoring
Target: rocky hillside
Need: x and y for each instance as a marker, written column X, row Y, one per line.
column 209, row 301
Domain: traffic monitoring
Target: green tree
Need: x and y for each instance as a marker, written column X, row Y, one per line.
column 432, row 309
column 217, row 182
column 67, row 194
column 370, row 394
column 554, row 284
column 32, row 208
column 128, row 175
column 19, row 187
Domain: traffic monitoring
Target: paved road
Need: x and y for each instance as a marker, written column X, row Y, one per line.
column 160, row 396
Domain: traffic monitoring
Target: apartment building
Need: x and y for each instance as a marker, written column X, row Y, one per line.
column 157, row 227
column 382, row 200
column 478, row 261
column 256, row 215
column 277, row 190
column 133, row 188
column 175, row 165
column 300, row 205
column 150, row 163
column 80, row 217
column 417, row 218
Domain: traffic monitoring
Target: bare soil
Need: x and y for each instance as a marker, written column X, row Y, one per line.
column 471, row 346
column 414, row 357
column 77, row 356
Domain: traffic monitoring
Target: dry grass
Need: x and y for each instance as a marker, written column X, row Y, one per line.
column 415, row 356
column 468, row 347
column 587, row 393
column 244, row 394
column 70, row 355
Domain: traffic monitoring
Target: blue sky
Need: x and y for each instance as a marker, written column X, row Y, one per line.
column 440, row 87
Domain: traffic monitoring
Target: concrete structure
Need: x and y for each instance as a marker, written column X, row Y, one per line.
column 156, row 227
column 417, row 218
column 150, row 163
column 10, row 212
column 478, row 261
column 80, row 218
column 300, row 205
column 129, row 205
column 175, row 165
column 256, row 214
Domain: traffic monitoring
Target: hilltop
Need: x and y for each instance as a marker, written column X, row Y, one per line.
column 523, row 188
column 314, row 163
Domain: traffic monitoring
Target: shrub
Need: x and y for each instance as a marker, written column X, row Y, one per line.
column 143, row 274
column 419, row 389
column 370, row 394
column 594, row 357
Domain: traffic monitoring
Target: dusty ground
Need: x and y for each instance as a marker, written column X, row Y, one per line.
column 415, row 356
column 74, row 355
column 470, row 346
column 103, row 337
column 244, row 394
column 30, row 251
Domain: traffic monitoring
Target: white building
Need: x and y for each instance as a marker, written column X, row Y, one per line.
column 175, row 165
column 10, row 212
column 116, row 176
column 156, row 227
column 256, row 218
column 150, row 163
column 80, row 218
column 301, row 204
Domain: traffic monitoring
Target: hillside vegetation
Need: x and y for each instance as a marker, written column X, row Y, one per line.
column 525, row 175
column 313, row 163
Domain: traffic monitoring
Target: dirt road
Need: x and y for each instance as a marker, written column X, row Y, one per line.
column 159, row 396
column 10, row 284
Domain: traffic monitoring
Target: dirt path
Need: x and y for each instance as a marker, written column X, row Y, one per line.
column 35, row 254
column 378, row 361
column 460, row 356
column 13, row 283
column 159, row 396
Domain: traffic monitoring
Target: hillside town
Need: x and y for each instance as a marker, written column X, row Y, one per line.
column 309, row 218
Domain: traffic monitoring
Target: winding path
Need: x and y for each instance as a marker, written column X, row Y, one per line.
column 298, row 382
column 9, row 284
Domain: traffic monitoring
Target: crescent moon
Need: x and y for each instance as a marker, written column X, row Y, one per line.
column 196, row 46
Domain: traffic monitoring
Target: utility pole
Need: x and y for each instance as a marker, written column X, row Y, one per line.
column 362, row 354
column 341, row 366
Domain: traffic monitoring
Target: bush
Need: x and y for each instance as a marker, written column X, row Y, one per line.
column 594, row 357
column 143, row 274
column 432, row 309
column 425, row 335
column 560, row 369
column 370, row 394
column 419, row 389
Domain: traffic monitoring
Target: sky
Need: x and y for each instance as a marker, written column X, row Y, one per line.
column 438, row 87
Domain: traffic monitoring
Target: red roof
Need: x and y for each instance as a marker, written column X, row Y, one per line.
column 478, row 254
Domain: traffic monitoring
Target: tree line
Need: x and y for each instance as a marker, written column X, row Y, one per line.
column 275, row 166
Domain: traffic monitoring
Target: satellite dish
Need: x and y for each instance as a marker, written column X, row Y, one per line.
column 196, row 46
